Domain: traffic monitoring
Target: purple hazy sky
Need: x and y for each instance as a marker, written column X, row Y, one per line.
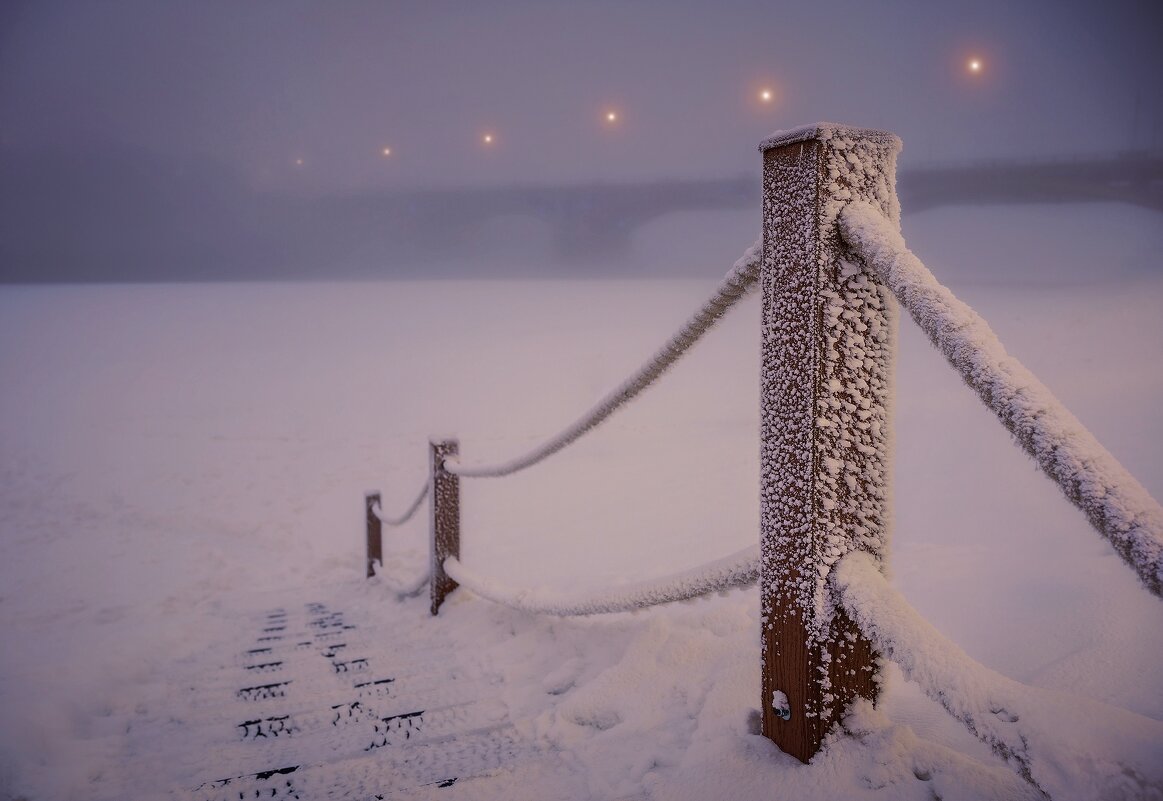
column 260, row 84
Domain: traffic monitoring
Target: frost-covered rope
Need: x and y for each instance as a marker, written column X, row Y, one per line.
column 408, row 513
column 734, row 286
column 736, row 570
column 1066, row 746
column 1114, row 501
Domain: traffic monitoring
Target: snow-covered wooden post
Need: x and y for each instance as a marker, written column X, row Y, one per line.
column 375, row 533
column 828, row 343
column 445, row 519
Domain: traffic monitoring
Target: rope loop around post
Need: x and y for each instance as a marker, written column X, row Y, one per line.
column 444, row 522
column 375, row 539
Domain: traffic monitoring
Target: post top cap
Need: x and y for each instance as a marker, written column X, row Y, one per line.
column 825, row 131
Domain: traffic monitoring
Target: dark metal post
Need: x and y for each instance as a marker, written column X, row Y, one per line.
column 828, row 342
column 445, row 519
column 375, row 539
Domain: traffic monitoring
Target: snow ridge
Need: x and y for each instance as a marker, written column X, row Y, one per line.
column 1116, row 504
column 405, row 589
column 1066, row 746
column 736, row 570
column 734, row 286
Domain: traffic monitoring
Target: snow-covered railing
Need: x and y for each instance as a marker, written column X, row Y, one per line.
column 1116, row 504
column 445, row 471
column 735, row 285
column 832, row 268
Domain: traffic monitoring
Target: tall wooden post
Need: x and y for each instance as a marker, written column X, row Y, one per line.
column 375, row 530
column 445, row 519
column 829, row 335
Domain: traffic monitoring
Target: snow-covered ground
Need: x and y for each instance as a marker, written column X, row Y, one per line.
column 174, row 457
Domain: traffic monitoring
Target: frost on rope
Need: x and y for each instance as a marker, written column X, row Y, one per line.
column 735, row 285
column 1114, row 501
column 1068, row 746
column 828, row 339
column 738, row 569
column 378, row 510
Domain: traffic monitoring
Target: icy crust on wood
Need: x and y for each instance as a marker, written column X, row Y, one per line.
column 443, row 519
column 734, row 286
column 1113, row 500
column 828, row 340
column 1067, row 746
column 737, row 570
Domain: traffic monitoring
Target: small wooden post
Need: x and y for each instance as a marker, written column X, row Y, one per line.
column 375, row 539
column 445, row 519
column 828, row 341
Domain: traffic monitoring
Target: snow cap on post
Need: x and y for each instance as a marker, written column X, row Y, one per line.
column 829, row 331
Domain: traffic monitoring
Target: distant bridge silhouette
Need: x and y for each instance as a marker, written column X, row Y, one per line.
column 591, row 220
column 126, row 217
column 1132, row 178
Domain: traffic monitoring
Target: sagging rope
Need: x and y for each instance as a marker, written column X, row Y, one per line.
column 737, row 570
column 404, row 518
column 1116, row 504
column 734, row 286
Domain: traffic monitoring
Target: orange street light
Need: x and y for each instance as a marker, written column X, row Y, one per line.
column 763, row 94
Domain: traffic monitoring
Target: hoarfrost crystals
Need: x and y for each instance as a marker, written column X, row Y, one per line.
column 828, row 336
column 1113, row 500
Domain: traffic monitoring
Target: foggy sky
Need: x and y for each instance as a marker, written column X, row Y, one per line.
column 261, row 83
column 166, row 140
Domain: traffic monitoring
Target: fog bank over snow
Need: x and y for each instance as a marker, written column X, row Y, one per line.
column 174, row 458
